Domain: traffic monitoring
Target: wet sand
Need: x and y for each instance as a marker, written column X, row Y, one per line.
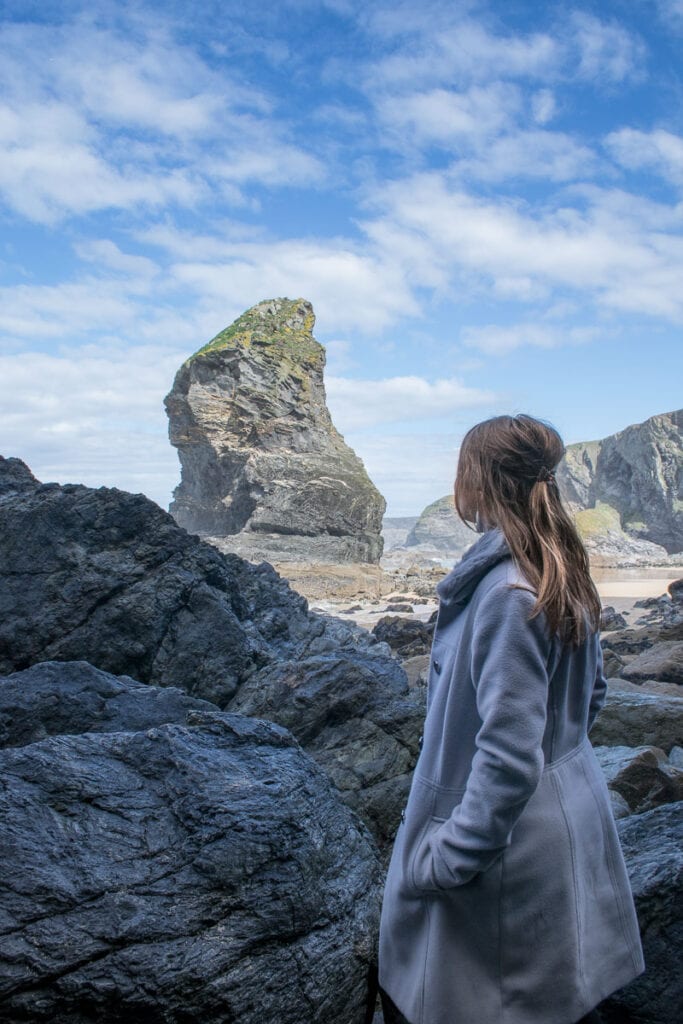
column 621, row 588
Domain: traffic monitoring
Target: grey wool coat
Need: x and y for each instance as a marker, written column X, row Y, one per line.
column 507, row 899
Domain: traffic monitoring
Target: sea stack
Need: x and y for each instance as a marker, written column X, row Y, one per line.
column 262, row 466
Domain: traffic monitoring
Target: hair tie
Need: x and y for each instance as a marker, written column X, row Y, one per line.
column 546, row 475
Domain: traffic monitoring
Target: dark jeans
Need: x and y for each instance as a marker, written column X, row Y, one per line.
column 392, row 1015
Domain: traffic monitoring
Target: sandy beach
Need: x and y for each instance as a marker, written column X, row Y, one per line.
column 621, row 588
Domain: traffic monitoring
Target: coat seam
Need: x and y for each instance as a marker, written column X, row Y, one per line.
column 501, row 975
column 426, row 961
column 612, row 874
column 577, row 909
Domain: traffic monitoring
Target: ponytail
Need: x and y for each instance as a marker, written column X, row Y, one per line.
column 505, row 473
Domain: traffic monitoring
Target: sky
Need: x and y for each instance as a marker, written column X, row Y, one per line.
column 483, row 202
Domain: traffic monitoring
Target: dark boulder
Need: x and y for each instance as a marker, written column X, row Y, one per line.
column 353, row 716
column 663, row 661
column 611, row 619
column 198, row 872
column 652, row 847
column 638, row 719
column 612, row 663
column 107, row 577
column 643, row 776
column 56, row 698
column 629, row 641
column 408, row 637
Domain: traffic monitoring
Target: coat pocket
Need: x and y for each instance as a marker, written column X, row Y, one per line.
column 420, row 874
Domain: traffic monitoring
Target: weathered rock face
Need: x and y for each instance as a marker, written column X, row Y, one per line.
column 663, row 661
column 108, row 577
column 205, row 871
column 643, row 776
column 652, row 848
column 15, row 477
column 351, row 715
column 635, row 478
column 635, row 719
column 408, row 637
column 263, row 467
column 67, row 698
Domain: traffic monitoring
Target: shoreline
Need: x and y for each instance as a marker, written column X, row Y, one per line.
column 618, row 588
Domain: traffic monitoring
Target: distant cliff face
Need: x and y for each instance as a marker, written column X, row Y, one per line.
column 634, row 477
column 440, row 527
column 262, row 465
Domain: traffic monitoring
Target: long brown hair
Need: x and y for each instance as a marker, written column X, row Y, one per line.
column 498, row 480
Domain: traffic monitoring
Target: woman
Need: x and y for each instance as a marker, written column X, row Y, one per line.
column 507, row 899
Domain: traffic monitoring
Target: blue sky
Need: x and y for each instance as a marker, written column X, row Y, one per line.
column 483, row 201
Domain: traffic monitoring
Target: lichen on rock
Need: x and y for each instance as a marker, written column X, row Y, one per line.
column 263, row 468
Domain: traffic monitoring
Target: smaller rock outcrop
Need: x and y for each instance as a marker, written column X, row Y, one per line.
column 440, row 528
column 263, row 469
column 408, row 637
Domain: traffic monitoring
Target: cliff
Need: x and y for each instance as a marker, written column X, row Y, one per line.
column 262, row 466
column 629, row 484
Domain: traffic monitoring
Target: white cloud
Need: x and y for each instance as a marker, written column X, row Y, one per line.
column 551, row 156
column 606, row 51
column 447, row 45
column 659, row 151
column 349, row 287
column 496, row 339
column 50, row 166
column 411, row 470
column 93, row 120
column 617, row 261
column 57, row 311
column 339, row 356
column 359, row 404
column 442, row 116
column 671, row 11
column 93, row 414
column 543, row 106
column 106, row 254
column 465, row 51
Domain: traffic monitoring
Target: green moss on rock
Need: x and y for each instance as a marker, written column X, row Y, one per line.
column 285, row 325
column 591, row 522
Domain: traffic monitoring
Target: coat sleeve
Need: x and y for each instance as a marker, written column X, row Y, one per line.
column 509, row 659
column 600, row 687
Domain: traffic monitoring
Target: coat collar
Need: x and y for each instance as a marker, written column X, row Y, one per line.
column 489, row 549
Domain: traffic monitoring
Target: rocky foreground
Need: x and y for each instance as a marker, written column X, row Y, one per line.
column 200, row 778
